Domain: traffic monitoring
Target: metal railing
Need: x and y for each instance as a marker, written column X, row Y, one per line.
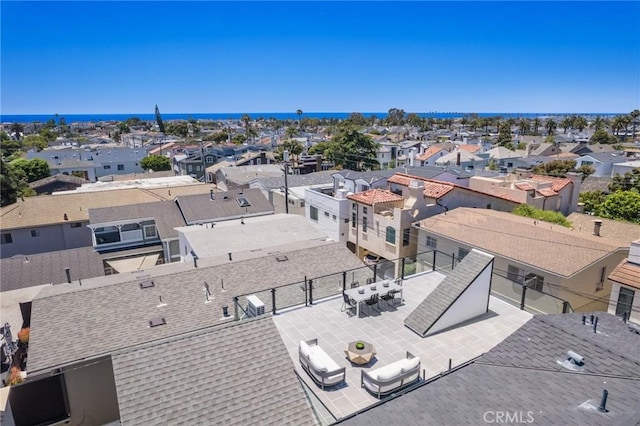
column 311, row 289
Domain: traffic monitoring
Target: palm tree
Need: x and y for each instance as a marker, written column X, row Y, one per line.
column 551, row 126
column 580, row 123
column 246, row 120
column 567, row 122
column 634, row 119
column 536, row 124
column 599, row 123
column 524, row 125
column 299, row 113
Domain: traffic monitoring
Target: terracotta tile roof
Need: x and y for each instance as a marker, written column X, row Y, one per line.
column 375, row 196
column 547, row 192
column 525, row 186
column 436, row 190
column 429, row 152
column 626, row 273
column 545, row 246
column 469, row 148
column 556, row 183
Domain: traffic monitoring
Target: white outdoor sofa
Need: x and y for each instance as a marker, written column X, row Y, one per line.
column 389, row 378
column 322, row 369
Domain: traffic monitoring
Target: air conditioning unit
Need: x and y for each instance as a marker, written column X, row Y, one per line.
column 255, row 306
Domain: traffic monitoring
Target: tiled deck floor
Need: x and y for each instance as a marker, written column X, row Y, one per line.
column 386, row 331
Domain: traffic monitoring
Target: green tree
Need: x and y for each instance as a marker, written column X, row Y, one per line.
column 17, row 129
column 492, row 164
column 299, row 114
column 48, row 134
column 622, row 205
column 357, row 119
column 504, row 134
column 592, row 201
column 635, row 115
column 586, row 171
column 34, row 141
column 159, row 120
column 179, row 128
column 536, row 125
column 567, row 122
column 555, row 168
column 217, row 137
column 123, row 127
column 602, row 137
column 599, row 123
column 551, row 126
column 4, row 136
column 630, row 181
column 351, row 149
column 30, row 170
column 525, row 126
column 9, row 184
column 580, row 123
column 156, row 163
column 395, row 117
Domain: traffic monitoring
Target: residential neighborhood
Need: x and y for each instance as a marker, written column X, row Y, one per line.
column 235, row 250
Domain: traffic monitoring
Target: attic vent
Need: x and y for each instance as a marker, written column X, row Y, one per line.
column 147, row 284
column 226, row 197
column 156, row 322
column 573, row 362
column 243, row 202
column 282, row 258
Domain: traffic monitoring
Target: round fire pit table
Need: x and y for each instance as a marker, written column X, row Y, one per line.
column 360, row 356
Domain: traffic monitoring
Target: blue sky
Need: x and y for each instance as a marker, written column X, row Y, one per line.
column 125, row 57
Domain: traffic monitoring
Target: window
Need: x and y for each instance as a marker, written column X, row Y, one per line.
column 513, row 273
column 625, row 301
column 106, row 166
column 130, row 227
column 107, row 234
column 6, row 239
column 313, row 211
column 121, row 167
column 364, row 211
column 326, row 214
column 189, row 167
column 432, row 242
column 334, row 217
column 391, row 235
column 364, row 224
column 406, row 237
column 75, row 225
column 603, row 276
column 462, row 252
column 208, row 159
column 150, row 231
column 302, row 203
column 354, row 218
column 35, row 233
column 346, row 220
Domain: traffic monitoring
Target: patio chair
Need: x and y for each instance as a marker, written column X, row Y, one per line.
column 348, row 304
column 389, row 296
column 373, row 300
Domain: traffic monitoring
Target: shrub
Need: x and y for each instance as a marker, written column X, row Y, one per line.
column 359, row 345
column 23, row 335
column 545, row 215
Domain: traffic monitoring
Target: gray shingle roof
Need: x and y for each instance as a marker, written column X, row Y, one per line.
column 447, row 292
column 48, row 268
column 57, row 178
column 316, row 178
column 237, row 374
column 165, row 213
column 200, row 208
column 112, row 312
column 522, row 374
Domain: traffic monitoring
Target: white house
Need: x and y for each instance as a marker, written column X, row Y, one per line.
column 625, row 286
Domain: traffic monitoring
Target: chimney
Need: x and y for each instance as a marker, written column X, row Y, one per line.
column 597, row 224
column 66, row 217
column 412, row 156
column 458, row 158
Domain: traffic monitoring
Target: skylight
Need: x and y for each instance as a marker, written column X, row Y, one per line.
column 243, row 202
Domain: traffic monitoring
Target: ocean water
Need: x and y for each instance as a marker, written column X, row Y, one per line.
column 74, row 118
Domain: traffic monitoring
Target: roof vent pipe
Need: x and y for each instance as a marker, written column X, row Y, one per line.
column 595, row 325
column 458, row 159
column 66, row 217
column 603, row 402
column 584, row 319
column 68, row 274
column 597, row 224
column 211, row 196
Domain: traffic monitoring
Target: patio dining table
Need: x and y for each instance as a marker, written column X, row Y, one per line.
column 371, row 289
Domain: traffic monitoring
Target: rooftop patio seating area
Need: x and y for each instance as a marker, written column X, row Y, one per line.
column 331, row 325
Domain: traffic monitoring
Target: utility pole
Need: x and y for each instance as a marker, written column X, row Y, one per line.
column 285, row 157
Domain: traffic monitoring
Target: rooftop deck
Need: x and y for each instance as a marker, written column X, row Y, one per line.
column 386, row 331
